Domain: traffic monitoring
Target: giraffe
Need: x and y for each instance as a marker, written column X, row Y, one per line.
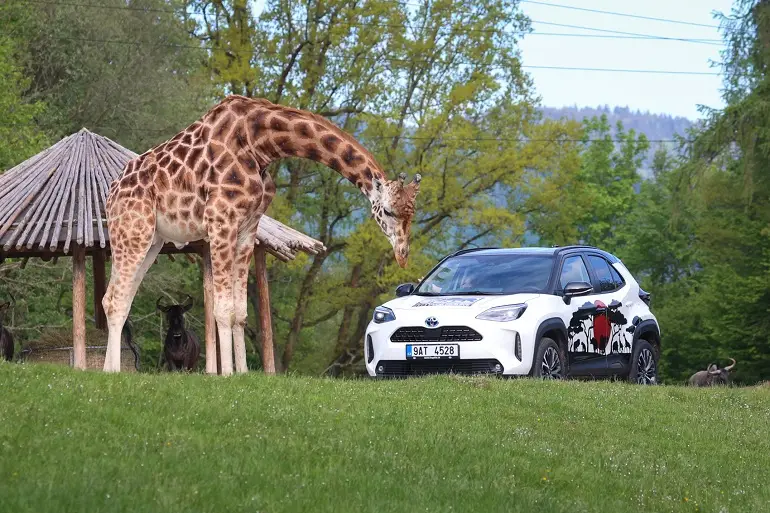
column 210, row 182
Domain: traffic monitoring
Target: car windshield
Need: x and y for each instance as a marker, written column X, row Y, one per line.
column 488, row 274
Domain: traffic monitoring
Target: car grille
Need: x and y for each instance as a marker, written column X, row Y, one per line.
column 397, row 368
column 442, row 334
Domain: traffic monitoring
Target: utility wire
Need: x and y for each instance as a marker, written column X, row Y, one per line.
column 151, row 9
column 612, row 36
column 615, row 70
column 397, row 26
column 405, row 137
column 612, row 13
column 607, row 31
column 401, row 60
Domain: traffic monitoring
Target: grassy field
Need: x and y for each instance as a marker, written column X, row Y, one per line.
column 74, row 441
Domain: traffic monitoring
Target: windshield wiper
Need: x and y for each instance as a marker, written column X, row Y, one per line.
column 427, row 294
column 474, row 293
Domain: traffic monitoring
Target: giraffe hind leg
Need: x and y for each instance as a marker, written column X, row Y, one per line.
column 128, row 270
column 244, row 251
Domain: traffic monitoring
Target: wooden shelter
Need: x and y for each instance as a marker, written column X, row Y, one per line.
column 53, row 205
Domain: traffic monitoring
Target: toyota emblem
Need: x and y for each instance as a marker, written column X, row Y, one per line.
column 431, row 322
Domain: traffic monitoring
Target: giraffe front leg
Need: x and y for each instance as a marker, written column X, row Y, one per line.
column 244, row 251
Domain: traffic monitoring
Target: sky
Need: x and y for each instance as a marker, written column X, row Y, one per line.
column 677, row 95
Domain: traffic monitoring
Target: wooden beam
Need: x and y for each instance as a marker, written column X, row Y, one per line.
column 100, row 288
column 208, row 308
column 265, row 318
column 79, row 306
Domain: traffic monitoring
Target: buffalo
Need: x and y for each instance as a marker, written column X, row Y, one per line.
column 713, row 375
column 181, row 348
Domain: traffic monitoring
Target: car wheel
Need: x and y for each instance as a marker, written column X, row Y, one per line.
column 644, row 366
column 549, row 361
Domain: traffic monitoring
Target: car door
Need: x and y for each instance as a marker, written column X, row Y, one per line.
column 612, row 321
column 580, row 313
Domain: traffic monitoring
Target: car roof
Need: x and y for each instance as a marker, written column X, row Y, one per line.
column 552, row 251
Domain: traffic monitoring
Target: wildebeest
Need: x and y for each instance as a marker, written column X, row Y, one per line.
column 127, row 337
column 6, row 339
column 713, row 375
column 181, row 348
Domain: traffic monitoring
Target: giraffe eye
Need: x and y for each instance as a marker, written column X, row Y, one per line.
column 388, row 212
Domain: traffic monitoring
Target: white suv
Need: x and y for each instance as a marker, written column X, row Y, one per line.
column 544, row 312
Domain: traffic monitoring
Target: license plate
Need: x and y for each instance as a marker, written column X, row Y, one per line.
column 432, row 351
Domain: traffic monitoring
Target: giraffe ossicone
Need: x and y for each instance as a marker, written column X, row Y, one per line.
column 210, row 182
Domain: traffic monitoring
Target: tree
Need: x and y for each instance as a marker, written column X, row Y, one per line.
column 127, row 70
column 434, row 88
column 19, row 137
column 699, row 235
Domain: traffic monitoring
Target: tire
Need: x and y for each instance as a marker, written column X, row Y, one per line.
column 549, row 361
column 644, row 364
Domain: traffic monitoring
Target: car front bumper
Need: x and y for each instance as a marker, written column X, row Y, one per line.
column 495, row 353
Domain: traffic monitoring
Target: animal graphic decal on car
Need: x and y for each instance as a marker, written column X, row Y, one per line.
column 598, row 328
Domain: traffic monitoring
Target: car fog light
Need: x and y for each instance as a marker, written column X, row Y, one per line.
column 380, row 369
column 498, row 368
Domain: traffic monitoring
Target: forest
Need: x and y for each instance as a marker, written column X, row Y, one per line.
column 433, row 87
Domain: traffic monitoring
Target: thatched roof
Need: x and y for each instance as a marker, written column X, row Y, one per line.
column 57, row 198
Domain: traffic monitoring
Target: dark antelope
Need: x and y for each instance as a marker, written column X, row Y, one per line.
column 6, row 339
column 713, row 375
column 181, row 348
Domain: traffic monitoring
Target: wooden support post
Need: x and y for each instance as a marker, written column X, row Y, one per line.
column 100, row 288
column 208, row 307
column 79, row 306
column 265, row 318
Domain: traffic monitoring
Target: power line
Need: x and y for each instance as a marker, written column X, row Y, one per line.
column 404, row 137
column 615, row 70
column 607, row 31
column 612, row 36
column 401, row 60
column 637, row 16
column 396, row 26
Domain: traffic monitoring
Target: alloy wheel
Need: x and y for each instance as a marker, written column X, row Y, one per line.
column 551, row 364
column 646, row 370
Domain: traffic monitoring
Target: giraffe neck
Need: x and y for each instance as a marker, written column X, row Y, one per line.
column 278, row 132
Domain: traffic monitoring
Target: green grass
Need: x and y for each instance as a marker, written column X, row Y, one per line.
column 74, row 441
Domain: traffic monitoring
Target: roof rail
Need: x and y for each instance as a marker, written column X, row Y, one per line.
column 470, row 250
column 573, row 246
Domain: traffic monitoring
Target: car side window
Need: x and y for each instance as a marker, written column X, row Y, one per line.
column 619, row 281
column 603, row 273
column 573, row 269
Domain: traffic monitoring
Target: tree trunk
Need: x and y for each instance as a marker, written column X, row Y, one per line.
column 299, row 312
column 265, row 315
column 79, row 306
column 100, row 281
column 347, row 314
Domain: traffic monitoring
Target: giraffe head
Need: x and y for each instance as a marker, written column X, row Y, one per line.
column 393, row 209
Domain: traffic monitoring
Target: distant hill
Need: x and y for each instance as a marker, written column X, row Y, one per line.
column 654, row 126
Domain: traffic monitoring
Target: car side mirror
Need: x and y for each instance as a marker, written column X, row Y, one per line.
column 576, row 288
column 404, row 289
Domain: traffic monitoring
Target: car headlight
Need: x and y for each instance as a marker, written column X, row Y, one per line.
column 383, row 314
column 503, row 313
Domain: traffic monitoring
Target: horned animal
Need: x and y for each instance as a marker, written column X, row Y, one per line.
column 713, row 375
column 6, row 339
column 181, row 348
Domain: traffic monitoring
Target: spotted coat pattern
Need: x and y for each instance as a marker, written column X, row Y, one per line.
column 210, row 182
